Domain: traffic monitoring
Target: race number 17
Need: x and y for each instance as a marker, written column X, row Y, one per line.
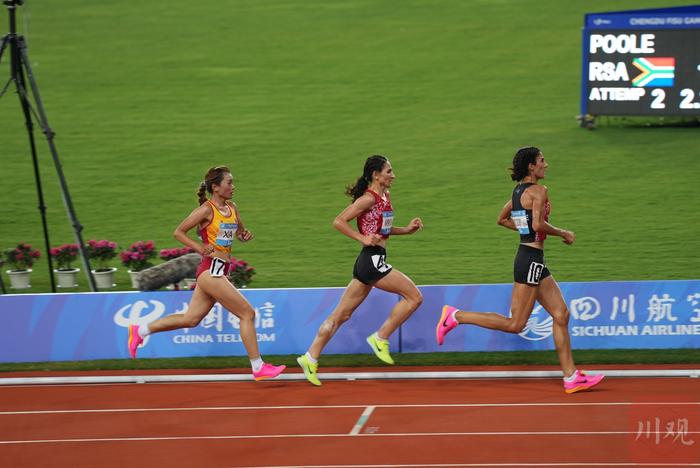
column 217, row 268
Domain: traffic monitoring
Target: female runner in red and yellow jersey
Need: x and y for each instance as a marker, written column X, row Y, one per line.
column 218, row 222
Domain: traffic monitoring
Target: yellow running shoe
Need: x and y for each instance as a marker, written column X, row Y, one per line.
column 380, row 348
column 309, row 369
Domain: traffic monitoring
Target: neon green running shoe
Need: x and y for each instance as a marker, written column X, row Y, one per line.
column 309, row 369
column 380, row 348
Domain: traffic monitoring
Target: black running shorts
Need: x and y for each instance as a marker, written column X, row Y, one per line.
column 529, row 267
column 371, row 265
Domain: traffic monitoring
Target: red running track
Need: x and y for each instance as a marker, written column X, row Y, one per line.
column 409, row 423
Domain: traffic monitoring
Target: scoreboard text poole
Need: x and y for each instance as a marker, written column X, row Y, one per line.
column 642, row 70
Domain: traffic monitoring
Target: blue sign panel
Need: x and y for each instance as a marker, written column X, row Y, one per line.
column 86, row 326
column 59, row 327
column 603, row 315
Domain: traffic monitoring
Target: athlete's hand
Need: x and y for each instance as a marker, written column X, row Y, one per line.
column 371, row 239
column 207, row 249
column 244, row 235
column 415, row 225
column 568, row 236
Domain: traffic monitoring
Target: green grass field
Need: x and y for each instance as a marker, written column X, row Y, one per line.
column 293, row 96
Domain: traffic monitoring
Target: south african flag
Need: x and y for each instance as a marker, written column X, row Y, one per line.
column 656, row 71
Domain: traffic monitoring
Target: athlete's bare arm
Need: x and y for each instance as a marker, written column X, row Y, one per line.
column 342, row 221
column 200, row 216
column 242, row 234
column 415, row 225
column 538, row 195
column 504, row 218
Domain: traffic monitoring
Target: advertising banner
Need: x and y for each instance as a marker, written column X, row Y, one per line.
column 88, row 326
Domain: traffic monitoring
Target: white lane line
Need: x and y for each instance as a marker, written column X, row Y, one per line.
column 363, row 420
column 398, row 406
column 296, row 376
column 302, row 436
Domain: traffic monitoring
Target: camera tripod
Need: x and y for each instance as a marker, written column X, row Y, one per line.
column 20, row 74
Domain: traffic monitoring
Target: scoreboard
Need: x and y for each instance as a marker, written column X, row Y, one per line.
column 642, row 63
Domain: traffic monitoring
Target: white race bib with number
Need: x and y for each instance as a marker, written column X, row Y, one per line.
column 379, row 262
column 217, row 268
column 534, row 273
column 519, row 217
column 224, row 237
column 387, row 223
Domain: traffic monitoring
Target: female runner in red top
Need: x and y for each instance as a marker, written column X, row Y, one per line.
column 218, row 221
column 372, row 208
column 528, row 213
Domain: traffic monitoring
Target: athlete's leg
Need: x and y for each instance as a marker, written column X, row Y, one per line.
column 228, row 296
column 397, row 282
column 549, row 295
column 521, row 305
column 354, row 294
column 200, row 304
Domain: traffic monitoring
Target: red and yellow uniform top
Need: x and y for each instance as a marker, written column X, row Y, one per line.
column 219, row 233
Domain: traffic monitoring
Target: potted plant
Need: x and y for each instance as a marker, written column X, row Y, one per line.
column 102, row 251
column 64, row 256
column 170, row 254
column 241, row 273
column 20, row 259
column 136, row 258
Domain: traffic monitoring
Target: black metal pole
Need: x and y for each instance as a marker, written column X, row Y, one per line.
column 65, row 193
column 18, row 76
column 19, row 65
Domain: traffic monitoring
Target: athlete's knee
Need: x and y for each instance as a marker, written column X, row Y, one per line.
column 414, row 299
column 561, row 317
column 247, row 314
column 515, row 326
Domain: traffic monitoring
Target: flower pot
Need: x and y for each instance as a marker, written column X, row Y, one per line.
column 66, row 278
column 135, row 275
column 19, row 279
column 104, row 279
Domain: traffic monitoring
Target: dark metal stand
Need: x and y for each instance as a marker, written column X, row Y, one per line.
column 19, row 67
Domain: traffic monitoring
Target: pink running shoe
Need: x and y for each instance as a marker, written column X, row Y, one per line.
column 446, row 323
column 134, row 340
column 268, row 371
column 582, row 382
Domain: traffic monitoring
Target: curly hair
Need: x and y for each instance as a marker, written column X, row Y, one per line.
column 522, row 159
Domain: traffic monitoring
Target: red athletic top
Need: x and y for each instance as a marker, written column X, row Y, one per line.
column 378, row 219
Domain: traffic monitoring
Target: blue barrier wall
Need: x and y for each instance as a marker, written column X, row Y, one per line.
column 83, row 326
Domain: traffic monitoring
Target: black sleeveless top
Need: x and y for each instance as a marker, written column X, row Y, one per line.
column 522, row 217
